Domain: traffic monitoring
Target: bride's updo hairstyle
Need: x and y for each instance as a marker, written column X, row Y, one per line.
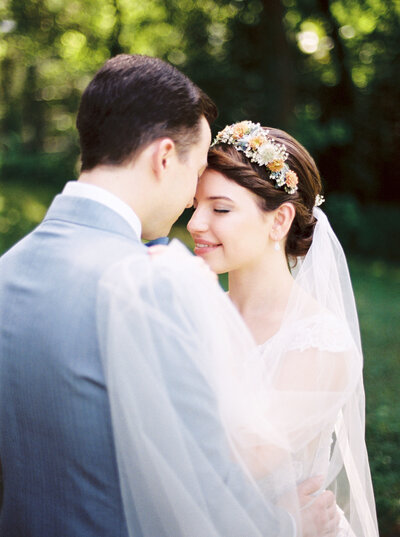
column 236, row 166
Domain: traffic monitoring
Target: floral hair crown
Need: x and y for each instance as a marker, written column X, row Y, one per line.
column 262, row 149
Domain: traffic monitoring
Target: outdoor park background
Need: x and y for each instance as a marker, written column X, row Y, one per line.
column 328, row 71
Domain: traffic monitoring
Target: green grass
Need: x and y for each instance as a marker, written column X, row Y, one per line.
column 377, row 287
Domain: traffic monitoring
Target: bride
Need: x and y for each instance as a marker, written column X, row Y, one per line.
column 257, row 218
column 287, row 389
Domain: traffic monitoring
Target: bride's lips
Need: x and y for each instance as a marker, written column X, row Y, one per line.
column 202, row 247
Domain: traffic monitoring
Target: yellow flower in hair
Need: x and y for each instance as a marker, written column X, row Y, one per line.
column 291, row 179
column 276, row 165
column 240, row 130
column 254, row 143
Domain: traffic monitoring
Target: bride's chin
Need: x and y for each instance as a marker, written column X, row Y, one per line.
column 210, row 260
column 216, row 268
column 210, row 265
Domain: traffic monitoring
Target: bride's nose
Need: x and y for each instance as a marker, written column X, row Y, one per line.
column 197, row 223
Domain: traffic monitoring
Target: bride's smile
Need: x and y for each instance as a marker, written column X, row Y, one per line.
column 202, row 246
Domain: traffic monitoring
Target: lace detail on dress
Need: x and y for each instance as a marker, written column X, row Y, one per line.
column 322, row 331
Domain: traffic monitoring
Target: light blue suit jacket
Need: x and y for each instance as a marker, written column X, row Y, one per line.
column 56, row 443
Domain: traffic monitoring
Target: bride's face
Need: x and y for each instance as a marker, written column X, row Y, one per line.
column 228, row 227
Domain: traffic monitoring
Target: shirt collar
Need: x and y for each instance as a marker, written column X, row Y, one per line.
column 96, row 193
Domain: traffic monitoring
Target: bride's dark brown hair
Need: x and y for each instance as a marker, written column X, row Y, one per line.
column 234, row 165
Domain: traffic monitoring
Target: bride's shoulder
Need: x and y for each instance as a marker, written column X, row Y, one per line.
column 320, row 329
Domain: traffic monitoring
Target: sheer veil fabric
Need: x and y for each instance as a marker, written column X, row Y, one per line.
column 172, row 345
column 313, row 367
column 212, row 432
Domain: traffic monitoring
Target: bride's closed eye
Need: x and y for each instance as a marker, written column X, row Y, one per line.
column 222, row 211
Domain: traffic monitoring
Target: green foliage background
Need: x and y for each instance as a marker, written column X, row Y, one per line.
column 328, row 71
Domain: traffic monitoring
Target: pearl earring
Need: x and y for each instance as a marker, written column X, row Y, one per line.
column 277, row 246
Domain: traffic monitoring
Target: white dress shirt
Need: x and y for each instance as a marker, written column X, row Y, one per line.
column 96, row 193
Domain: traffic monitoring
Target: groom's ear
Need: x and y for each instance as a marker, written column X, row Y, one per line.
column 283, row 219
column 162, row 156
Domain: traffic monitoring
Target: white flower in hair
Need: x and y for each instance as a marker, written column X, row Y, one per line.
column 267, row 153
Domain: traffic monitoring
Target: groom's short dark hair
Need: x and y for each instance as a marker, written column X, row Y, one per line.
column 133, row 100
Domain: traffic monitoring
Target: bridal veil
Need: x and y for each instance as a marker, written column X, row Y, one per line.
column 311, row 371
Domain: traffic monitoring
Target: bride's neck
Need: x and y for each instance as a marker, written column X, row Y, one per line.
column 262, row 287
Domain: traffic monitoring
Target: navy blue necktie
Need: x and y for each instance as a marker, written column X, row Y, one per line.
column 160, row 240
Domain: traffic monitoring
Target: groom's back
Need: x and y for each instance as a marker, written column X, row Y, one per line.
column 56, row 447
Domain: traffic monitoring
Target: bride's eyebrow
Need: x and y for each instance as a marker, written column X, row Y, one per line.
column 220, row 198
column 213, row 198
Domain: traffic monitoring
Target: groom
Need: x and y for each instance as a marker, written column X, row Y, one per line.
column 144, row 133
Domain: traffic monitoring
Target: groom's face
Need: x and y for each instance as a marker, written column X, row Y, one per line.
column 184, row 177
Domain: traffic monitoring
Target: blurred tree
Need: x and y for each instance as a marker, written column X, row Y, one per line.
column 327, row 70
column 260, row 55
column 48, row 51
column 348, row 81
column 114, row 45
